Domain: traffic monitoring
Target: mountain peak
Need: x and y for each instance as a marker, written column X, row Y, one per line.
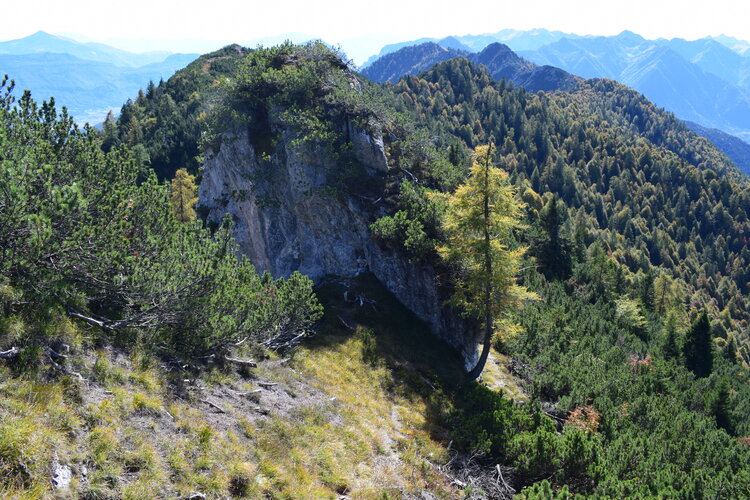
column 497, row 47
column 36, row 37
column 451, row 42
column 627, row 35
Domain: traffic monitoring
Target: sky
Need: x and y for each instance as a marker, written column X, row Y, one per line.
column 204, row 24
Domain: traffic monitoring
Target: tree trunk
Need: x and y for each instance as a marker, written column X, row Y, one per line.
column 477, row 370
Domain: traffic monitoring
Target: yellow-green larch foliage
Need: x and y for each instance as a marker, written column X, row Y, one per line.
column 184, row 196
column 481, row 217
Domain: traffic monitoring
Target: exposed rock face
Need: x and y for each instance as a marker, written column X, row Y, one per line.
column 368, row 150
column 286, row 221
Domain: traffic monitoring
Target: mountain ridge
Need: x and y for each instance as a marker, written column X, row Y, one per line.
column 500, row 60
column 89, row 89
column 43, row 42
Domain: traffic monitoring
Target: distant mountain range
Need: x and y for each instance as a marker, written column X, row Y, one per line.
column 41, row 42
column 705, row 81
column 499, row 59
column 515, row 39
column 88, row 78
column 702, row 81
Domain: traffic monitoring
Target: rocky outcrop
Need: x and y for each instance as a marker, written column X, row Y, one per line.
column 287, row 219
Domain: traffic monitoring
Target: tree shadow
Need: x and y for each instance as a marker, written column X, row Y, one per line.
column 422, row 365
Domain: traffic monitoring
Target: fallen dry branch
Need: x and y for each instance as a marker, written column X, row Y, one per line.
column 468, row 471
column 213, row 405
column 242, row 362
column 10, row 353
column 344, row 322
column 57, row 366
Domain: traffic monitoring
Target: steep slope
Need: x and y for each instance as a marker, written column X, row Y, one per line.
column 690, row 93
column 599, row 57
column 360, row 411
column 630, row 176
column 736, row 149
column 123, row 386
column 739, row 46
column 303, row 197
column 569, row 161
column 623, row 200
column 638, row 237
column 501, row 62
column 166, row 120
column 712, row 57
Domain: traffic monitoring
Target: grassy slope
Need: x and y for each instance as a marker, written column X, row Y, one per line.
column 358, row 410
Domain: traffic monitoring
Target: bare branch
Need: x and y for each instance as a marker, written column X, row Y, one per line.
column 213, row 405
column 10, row 353
column 241, row 362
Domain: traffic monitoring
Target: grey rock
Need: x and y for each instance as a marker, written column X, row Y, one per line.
column 286, row 221
column 62, row 475
column 368, row 149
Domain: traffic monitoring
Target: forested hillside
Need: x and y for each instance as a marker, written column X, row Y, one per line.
column 639, row 233
column 626, row 330
column 736, row 149
column 163, row 124
column 632, row 177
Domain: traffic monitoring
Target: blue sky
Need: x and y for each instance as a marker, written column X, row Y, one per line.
column 150, row 24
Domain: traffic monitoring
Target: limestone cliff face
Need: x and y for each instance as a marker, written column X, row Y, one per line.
column 286, row 220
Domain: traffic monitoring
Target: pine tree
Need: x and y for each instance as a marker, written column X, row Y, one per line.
column 730, row 351
column 647, row 289
column 719, row 406
column 552, row 248
column 109, row 132
column 481, row 218
column 698, row 349
column 669, row 348
column 183, row 196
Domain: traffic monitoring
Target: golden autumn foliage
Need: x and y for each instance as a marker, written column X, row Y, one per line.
column 481, row 218
column 184, row 196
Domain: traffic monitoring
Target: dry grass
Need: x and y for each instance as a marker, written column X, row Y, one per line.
column 358, row 413
column 497, row 376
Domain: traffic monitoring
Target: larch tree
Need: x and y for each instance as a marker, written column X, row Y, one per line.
column 183, row 196
column 481, row 217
